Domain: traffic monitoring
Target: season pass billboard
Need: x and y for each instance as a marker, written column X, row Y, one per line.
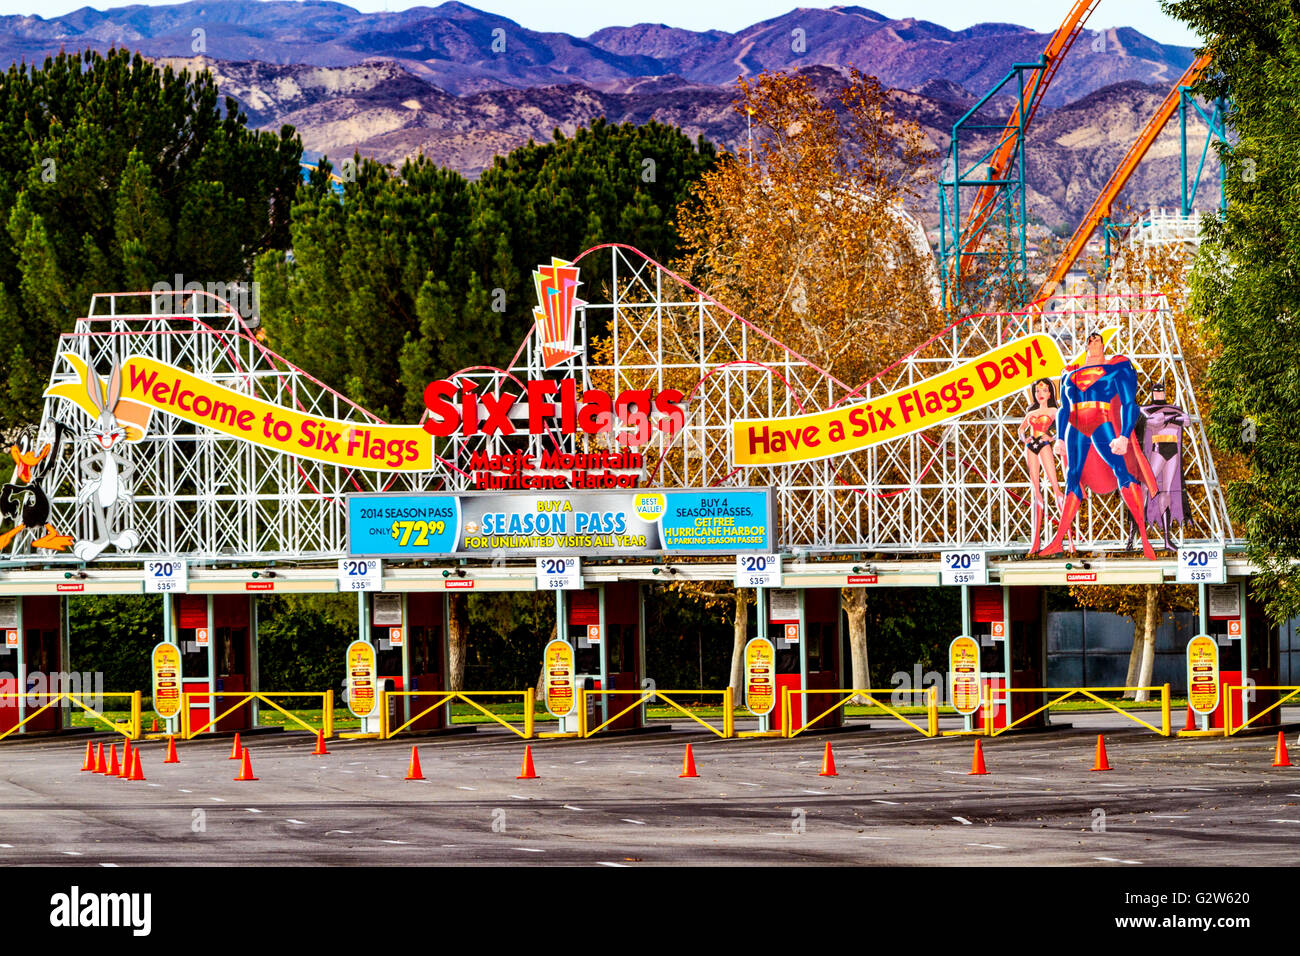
column 608, row 523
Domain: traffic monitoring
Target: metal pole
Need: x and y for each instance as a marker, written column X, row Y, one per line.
column 169, row 636
column 406, row 661
column 22, row 665
column 212, row 668
column 254, row 679
column 765, row 721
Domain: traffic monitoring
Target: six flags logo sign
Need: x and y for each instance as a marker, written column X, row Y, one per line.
column 557, row 287
column 633, row 415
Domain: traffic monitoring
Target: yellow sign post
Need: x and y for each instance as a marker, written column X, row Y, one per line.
column 760, row 677
column 166, row 680
column 361, row 679
column 964, row 674
column 558, row 658
column 1203, row 674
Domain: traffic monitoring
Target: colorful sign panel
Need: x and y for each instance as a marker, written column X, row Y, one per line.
column 362, row 698
column 1203, row 674
column 760, row 677
column 557, row 661
column 610, row 523
column 972, row 385
column 964, row 674
column 166, row 660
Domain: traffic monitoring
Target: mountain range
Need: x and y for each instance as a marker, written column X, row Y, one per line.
column 463, row 85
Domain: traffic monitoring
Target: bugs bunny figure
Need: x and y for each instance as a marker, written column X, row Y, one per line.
column 105, row 474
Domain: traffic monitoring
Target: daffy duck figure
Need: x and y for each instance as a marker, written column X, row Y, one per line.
column 23, row 500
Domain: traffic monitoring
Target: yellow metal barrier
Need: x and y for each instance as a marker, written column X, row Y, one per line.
column 1066, row 693
column 1229, row 725
column 245, row 697
column 129, row 729
column 931, row 716
column 642, row 696
column 446, row 697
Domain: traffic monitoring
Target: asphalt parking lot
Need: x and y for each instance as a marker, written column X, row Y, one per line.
column 898, row 800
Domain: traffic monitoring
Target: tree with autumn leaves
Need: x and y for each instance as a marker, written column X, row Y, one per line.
column 805, row 231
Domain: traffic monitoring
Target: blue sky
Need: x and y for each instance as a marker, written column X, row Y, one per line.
column 581, row 17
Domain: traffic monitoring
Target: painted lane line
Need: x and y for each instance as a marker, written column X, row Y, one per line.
column 467, row 788
column 1284, row 821
column 743, row 784
column 515, row 796
column 6, row 846
column 70, row 853
column 957, row 773
column 1122, row 786
column 183, row 790
column 604, row 863
column 217, row 799
column 528, row 849
column 1169, row 816
column 251, row 810
column 328, row 832
column 1111, row 859
column 865, row 837
column 152, row 785
column 569, row 806
column 639, row 773
column 1031, row 778
column 815, row 793
column 963, row 821
column 109, row 864
column 579, row 763
column 888, row 803
column 396, row 842
column 299, row 822
column 639, row 823
column 988, row 846
column 1206, row 789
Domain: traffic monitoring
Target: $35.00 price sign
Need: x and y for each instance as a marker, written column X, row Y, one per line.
column 758, row 570
column 559, row 574
column 361, row 574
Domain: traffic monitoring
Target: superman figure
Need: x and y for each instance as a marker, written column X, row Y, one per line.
column 1098, row 413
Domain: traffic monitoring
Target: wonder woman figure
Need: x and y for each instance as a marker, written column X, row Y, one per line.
column 1038, row 432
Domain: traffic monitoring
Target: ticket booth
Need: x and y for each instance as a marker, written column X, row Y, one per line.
column 214, row 632
column 1008, row 623
column 1248, row 651
column 409, row 633
column 603, row 624
column 804, row 626
column 32, row 651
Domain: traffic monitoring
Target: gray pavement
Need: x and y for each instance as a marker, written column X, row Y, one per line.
column 899, row 799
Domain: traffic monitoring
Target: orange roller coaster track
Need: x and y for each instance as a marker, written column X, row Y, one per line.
column 1101, row 206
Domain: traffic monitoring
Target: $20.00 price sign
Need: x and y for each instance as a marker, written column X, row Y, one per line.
column 361, row 574
column 559, row 574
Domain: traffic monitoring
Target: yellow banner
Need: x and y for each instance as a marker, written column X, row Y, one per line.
column 951, row 394
column 760, row 676
column 149, row 385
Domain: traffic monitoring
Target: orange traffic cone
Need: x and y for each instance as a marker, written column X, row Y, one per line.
column 246, row 769
column 171, row 751
column 125, row 770
column 828, row 763
column 527, row 772
column 413, row 768
column 236, row 749
column 688, row 764
column 1191, row 720
column 977, row 764
column 1100, row 763
column 89, row 763
column 100, row 765
column 1280, row 756
column 153, row 729
column 136, row 772
column 112, row 770
column 320, row 750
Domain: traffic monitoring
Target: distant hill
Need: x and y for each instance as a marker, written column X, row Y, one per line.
column 462, row 50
